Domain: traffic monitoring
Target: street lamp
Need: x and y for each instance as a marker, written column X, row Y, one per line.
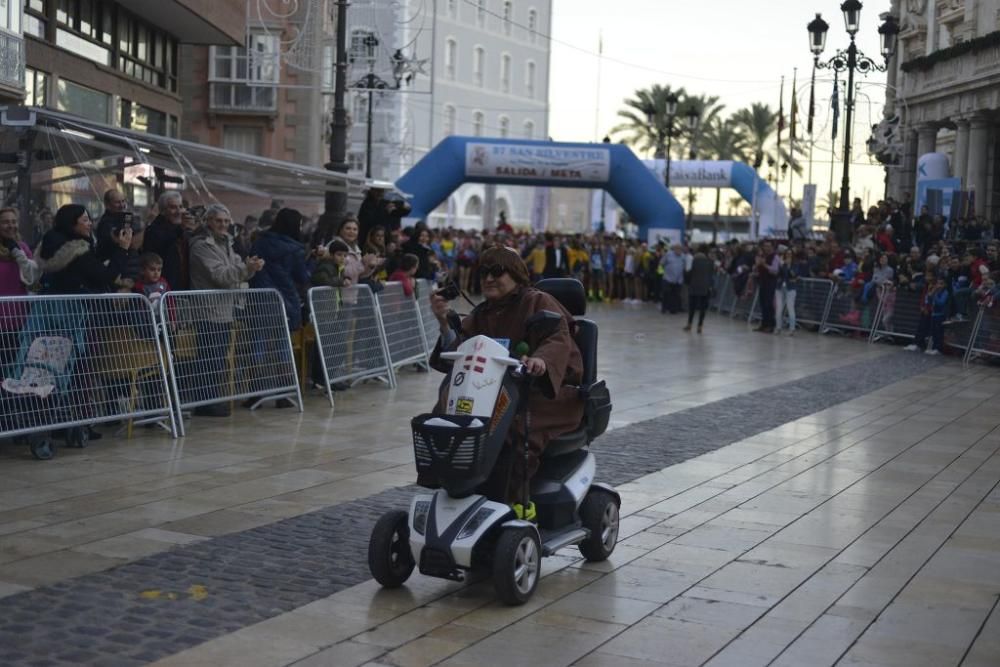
column 693, row 120
column 372, row 82
column 850, row 60
column 670, row 110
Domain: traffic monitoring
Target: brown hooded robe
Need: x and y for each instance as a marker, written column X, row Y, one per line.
column 549, row 417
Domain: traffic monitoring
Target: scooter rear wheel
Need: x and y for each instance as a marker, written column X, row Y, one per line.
column 516, row 565
column 389, row 557
column 599, row 514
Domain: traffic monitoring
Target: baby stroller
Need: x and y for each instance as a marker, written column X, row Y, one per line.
column 37, row 389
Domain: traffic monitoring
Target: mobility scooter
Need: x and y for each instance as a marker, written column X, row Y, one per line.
column 455, row 530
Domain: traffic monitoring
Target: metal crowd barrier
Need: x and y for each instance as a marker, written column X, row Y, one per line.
column 898, row 314
column 227, row 345
column 71, row 361
column 719, row 285
column 403, row 327
column 849, row 311
column 727, row 296
column 812, row 298
column 744, row 303
column 430, row 324
column 349, row 336
column 985, row 340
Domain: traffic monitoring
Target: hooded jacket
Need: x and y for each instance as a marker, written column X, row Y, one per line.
column 168, row 241
column 284, row 270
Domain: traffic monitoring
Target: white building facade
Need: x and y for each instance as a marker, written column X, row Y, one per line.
column 486, row 74
column 945, row 86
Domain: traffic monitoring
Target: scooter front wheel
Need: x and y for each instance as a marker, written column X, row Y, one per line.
column 516, row 565
column 599, row 513
column 389, row 557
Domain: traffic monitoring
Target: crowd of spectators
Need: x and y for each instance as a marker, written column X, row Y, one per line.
column 870, row 256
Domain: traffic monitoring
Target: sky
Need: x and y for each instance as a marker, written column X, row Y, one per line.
column 735, row 49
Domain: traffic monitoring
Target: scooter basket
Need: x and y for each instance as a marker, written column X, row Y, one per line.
column 454, row 446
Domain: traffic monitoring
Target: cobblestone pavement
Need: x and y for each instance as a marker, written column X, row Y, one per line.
column 162, row 604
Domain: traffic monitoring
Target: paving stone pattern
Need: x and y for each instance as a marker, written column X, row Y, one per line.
column 103, row 618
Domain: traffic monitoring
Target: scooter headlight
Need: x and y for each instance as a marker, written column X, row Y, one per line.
column 420, row 510
column 473, row 524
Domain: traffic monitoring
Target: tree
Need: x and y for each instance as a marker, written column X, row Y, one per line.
column 708, row 109
column 760, row 125
column 723, row 140
column 637, row 130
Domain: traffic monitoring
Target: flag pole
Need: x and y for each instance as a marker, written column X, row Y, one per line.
column 791, row 137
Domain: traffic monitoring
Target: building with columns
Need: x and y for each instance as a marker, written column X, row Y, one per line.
column 945, row 87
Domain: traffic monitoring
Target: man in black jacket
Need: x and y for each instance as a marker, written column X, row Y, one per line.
column 165, row 237
column 556, row 258
column 377, row 211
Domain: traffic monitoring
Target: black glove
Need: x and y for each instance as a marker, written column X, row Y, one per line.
column 10, row 244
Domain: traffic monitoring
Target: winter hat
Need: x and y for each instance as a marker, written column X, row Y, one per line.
column 337, row 245
column 933, row 259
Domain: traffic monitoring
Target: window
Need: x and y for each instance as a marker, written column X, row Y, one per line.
column 450, row 116
column 10, row 15
column 145, row 53
column 477, row 124
column 533, row 25
column 474, row 207
column 504, row 127
column 529, row 129
column 529, row 79
column 143, row 119
column 232, row 67
column 478, row 63
column 505, row 73
column 359, row 109
column 452, row 8
column 36, row 88
column 508, row 12
column 359, row 46
column 82, row 101
column 481, row 14
column 356, row 161
column 241, row 139
column 34, row 18
column 450, row 52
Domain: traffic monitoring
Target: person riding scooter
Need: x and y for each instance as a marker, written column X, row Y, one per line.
column 554, row 403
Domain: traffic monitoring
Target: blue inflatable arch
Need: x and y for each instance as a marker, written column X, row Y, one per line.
column 612, row 167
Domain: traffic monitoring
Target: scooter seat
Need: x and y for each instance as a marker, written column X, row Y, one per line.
column 566, row 443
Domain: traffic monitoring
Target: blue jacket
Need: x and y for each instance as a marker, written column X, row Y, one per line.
column 284, row 270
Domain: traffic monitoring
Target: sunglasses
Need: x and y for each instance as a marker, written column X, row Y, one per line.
column 494, row 271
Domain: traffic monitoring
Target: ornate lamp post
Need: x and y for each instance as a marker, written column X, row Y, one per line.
column 850, row 60
column 670, row 109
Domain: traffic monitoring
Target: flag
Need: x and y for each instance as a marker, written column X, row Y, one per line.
column 812, row 104
column 835, row 103
column 795, row 107
column 781, row 110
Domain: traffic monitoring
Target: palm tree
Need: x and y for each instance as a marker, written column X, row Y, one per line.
column 760, row 124
column 637, row 130
column 708, row 109
column 723, row 140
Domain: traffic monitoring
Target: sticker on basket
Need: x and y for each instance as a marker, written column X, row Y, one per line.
column 464, row 406
column 459, row 379
column 503, row 400
column 505, row 342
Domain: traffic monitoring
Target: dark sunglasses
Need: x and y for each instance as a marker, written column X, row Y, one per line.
column 494, row 271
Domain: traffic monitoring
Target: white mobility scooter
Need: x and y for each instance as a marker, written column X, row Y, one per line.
column 456, row 530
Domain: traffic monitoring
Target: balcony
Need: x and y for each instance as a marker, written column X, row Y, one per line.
column 229, row 97
column 11, row 63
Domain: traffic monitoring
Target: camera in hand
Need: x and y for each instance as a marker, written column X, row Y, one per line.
column 448, row 290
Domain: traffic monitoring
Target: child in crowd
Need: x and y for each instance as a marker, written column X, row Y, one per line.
column 329, row 271
column 408, row 266
column 933, row 310
column 151, row 283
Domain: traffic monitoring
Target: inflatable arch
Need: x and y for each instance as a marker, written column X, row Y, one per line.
column 635, row 184
column 739, row 176
column 612, row 167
